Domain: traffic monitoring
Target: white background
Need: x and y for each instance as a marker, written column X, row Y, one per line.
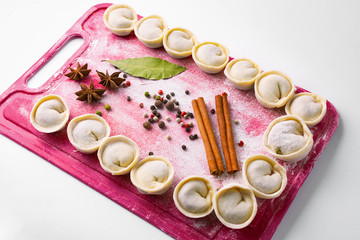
column 315, row 42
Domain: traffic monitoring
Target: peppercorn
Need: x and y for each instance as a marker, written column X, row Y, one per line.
column 146, row 115
column 224, row 94
column 147, row 94
column 168, row 118
column 172, row 94
column 141, row 105
column 178, row 120
column 124, row 76
column 187, row 92
column 187, row 129
column 150, row 120
column 183, row 114
column 158, row 103
column 168, row 96
column 168, row 137
column 158, row 115
column 178, row 111
column 241, row 143
column 236, row 121
column 157, row 98
column 107, row 107
column 170, row 106
column 212, row 111
column 161, row 124
column 128, row 98
column 165, row 101
column 160, row 92
column 191, row 115
column 156, row 119
column 178, row 115
column 195, row 136
column 99, row 113
column 183, row 147
column 152, row 107
column 151, row 153
column 186, row 116
column 128, row 83
column 146, row 125
column 191, row 137
column 177, row 103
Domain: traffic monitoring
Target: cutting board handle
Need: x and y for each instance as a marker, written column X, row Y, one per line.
column 76, row 31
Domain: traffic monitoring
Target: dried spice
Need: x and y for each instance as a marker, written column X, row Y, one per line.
column 112, row 81
column 78, row 73
column 90, row 93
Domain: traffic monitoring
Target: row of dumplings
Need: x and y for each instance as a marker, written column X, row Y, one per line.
column 273, row 89
column 117, row 155
column 234, row 204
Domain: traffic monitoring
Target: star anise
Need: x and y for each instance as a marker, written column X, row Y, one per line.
column 112, row 81
column 79, row 72
column 90, row 93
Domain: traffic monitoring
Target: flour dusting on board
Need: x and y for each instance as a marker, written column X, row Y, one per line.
column 127, row 118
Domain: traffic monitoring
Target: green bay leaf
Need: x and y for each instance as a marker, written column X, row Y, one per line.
column 148, row 67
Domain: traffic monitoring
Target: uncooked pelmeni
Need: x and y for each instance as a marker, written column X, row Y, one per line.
column 266, row 177
column 210, row 57
column 150, row 31
column 288, row 138
column 120, row 19
column 49, row 114
column 193, row 196
column 242, row 73
column 273, row 89
column 152, row 175
column 179, row 42
column 118, row 155
column 87, row 132
column 307, row 106
column 235, row 205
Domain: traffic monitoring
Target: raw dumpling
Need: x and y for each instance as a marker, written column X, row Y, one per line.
column 273, row 89
column 150, row 31
column 307, row 106
column 87, row 132
column 118, row 155
column 179, row 42
column 49, row 114
column 266, row 177
column 235, row 205
column 120, row 19
column 193, row 196
column 288, row 138
column 242, row 73
column 210, row 57
column 152, row 175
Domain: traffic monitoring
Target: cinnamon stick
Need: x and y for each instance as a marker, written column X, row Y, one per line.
column 229, row 135
column 222, row 130
column 210, row 134
column 208, row 150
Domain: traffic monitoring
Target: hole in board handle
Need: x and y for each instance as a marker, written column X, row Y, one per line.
column 55, row 62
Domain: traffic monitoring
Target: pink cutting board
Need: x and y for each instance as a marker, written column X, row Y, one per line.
column 126, row 118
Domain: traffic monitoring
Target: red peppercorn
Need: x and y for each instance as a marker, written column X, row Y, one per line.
column 160, row 92
column 162, row 99
column 128, row 83
column 141, row 105
column 224, row 94
column 241, row 143
column 183, row 114
column 152, row 116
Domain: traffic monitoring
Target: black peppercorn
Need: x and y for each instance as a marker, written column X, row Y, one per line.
column 212, row 111
column 152, row 107
column 146, row 125
column 151, row 153
column 128, row 98
column 187, row 92
column 187, row 129
column 191, row 137
column 172, row 94
column 168, row 96
column 195, row 136
column 165, row 101
column 150, row 120
column 177, row 103
column 158, row 115
column 158, row 103
column 161, row 124
column 170, row 106
column 183, row 147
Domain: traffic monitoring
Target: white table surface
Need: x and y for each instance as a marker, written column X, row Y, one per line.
column 317, row 43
